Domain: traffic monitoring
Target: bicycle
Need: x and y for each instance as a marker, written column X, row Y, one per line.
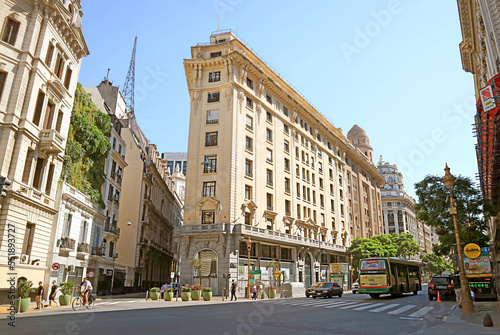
column 78, row 302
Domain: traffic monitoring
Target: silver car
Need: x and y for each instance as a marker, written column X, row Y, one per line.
column 355, row 287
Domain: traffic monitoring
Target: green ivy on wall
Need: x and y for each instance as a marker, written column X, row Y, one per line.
column 87, row 147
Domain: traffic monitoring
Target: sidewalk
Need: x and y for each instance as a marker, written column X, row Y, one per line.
column 480, row 310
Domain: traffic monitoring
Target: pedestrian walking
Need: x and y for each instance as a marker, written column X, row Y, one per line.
column 253, row 289
column 458, row 289
column 259, row 291
column 52, row 295
column 233, row 290
column 39, row 295
column 162, row 290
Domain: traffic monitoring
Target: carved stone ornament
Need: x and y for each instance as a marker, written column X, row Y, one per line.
column 196, row 95
column 199, row 54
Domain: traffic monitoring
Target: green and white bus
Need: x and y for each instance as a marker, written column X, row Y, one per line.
column 389, row 275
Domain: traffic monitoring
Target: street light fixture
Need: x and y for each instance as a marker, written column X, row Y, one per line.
column 467, row 305
column 249, row 246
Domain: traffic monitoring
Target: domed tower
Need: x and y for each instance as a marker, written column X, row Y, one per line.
column 357, row 136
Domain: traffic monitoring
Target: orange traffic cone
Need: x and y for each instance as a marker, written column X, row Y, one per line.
column 438, row 298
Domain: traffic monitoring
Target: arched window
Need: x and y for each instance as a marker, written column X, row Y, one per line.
column 208, row 260
column 389, row 204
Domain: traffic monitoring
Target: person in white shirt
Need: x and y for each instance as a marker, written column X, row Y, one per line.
column 87, row 289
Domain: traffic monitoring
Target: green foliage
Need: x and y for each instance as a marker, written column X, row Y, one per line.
column 24, row 289
column 67, row 287
column 434, row 264
column 87, row 147
column 393, row 245
column 274, row 265
column 154, row 290
column 186, row 289
column 169, row 289
column 207, row 289
column 434, row 209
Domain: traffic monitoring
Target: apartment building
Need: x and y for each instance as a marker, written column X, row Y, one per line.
column 264, row 164
column 41, row 47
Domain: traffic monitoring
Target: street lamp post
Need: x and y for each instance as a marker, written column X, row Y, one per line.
column 467, row 305
column 351, row 272
column 249, row 246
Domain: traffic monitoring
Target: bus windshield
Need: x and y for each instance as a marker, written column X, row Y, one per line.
column 373, row 264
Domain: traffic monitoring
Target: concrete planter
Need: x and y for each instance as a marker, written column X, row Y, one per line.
column 207, row 296
column 169, row 296
column 64, row 300
column 25, row 304
column 154, row 295
column 185, row 296
column 195, row 295
column 272, row 294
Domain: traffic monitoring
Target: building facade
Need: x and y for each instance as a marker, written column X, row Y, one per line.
column 41, row 47
column 175, row 159
column 265, row 164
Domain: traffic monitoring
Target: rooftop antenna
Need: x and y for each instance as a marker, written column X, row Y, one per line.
column 107, row 76
column 128, row 87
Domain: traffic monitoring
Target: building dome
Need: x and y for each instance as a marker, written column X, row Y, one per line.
column 357, row 136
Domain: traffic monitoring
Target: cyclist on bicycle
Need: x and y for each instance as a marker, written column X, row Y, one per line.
column 87, row 289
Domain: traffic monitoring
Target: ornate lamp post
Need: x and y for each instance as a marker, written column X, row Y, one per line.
column 467, row 305
column 249, row 247
column 351, row 271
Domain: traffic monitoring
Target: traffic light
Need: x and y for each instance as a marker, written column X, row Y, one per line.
column 4, row 182
column 224, row 275
column 228, row 275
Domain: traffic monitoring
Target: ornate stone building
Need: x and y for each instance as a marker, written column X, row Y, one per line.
column 41, row 47
column 264, row 164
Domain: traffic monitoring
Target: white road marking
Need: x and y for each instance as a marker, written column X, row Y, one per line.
column 401, row 309
column 342, row 304
column 350, row 306
column 383, row 308
column 114, row 303
column 366, row 307
column 421, row 311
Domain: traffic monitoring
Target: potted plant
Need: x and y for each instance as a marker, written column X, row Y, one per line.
column 196, row 292
column 186, row 293
column 23, row 291
column 207, row 293
column 66, row 290
column 154, row 293
column 271, row 292
column 169, row 294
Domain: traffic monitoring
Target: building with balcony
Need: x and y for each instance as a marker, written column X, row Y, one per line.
column 41, row 47
column 71, row 235
column 265, row 164
column 110, row 276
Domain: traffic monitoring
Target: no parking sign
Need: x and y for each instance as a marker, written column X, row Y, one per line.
column 56, row 266
column 90, row 274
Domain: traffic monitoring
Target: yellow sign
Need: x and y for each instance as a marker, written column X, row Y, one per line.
column 374, row 281
column 335, row 267
column 277, row 273
column 472, row 250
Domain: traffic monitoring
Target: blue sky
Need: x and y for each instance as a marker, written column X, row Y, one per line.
column 392, row 67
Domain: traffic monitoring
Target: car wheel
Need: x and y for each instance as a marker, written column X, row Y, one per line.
column 340, row 295
column 430, row 297
column 314, row 297
column 330, row 296
column 354, row 292
column 307, row 295
column 415, row 292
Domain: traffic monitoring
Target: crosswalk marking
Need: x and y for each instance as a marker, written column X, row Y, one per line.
column 421, row 311
column 340, row 303
column 401, row 309
column 114, row 303
column 129, row 302
column 383, row 308
column 350, row 306
column 366, row 307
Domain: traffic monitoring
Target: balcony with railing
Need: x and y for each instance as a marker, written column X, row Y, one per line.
column 110, row 228
column 51, row 141
column 83, row 248
column 67, row 243
column 98, row 251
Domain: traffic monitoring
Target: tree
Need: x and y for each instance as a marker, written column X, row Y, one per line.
column 434, row 264
column 434, row 209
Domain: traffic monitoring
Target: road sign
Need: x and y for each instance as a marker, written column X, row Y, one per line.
column 56, row 266
column 472, row 250
column 90, row 274
column 277, row 273
column 172, row 275
column 255, row 272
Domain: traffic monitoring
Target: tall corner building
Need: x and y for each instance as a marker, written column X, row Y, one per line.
column 264, row 164
column 41, row 47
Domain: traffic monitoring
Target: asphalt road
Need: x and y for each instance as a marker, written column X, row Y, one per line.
column 351, row 314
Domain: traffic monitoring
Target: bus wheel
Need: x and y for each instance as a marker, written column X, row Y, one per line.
column 415, row 292
column 375, row 295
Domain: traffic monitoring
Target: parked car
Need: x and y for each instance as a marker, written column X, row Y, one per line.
column 443, row 285
column 326, row 290
column 355, row 286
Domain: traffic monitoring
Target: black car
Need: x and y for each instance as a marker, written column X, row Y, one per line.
column 443, row 285
column 326, row 290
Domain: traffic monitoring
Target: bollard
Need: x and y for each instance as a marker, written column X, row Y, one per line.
column 487, row 321
column 147, row 293
column 19, row 306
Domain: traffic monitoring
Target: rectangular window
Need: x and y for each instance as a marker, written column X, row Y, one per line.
column 214, row 76
column 213, row 96
column 269, row 198
column 288, row 208
column 249, row 123
column 285, row 129
column 209, row 189
column 298, row 212
column 321, row 183
column 286, row 146
column 269, row 177
column 213, row 116
column 249, row 103
column 83, row 231
column 287, row 185
column 322, row 200
column 211, row 139
column 60, row 117
column 210, row 164
column 110, row 193
column 248, row 143
column 249, row 83
column 248, row 219
column 67, row 225
column 269, row 135
column 314, row 197
column 298, row 190
column 269, row 117
column 320, row 167
column 248, row 168
column 332, row 206
column 27, row 166
column 215, row 54
column 285, row 111
column 67, row 77
column 207, row 217
column 10, row 31
column 28, row 238
column 37, row 180
column 3, row 78
column 50, row 53
column 269, row 155
column 49, row 115
column 269, row 99
column 248, row 192
column 269, row 226
column 287, row 164
column 50, row 177
column 38, row 108
column 58, row 70
column 111, row 249
column 331, row 189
